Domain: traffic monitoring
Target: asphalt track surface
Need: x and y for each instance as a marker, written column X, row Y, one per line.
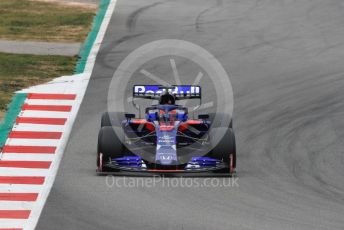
column 286, row 63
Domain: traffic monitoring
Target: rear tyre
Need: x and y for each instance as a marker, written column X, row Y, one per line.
column 110, row 145
column 225, row 150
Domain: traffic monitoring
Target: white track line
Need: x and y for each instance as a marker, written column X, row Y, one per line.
column 20, row 188
column 16, row 205
column 27, row 157
column 33, row 142
column 7, row 171
column 38, row 127
column 12, row 223
column 45, row 114
column 49, row 102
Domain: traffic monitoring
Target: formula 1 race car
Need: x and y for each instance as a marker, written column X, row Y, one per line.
column 166, row 140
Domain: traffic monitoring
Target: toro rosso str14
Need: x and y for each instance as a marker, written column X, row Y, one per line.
column 166, row 140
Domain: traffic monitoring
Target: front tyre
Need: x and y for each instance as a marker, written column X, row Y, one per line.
column 225, row 150
column 112, row 119
column 110, row 145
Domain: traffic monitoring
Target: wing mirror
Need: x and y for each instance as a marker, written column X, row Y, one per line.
column 129, row 116
column 203, row 116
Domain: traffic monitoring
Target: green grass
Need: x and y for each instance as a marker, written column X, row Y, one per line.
column 44, row 21
column 21, row 71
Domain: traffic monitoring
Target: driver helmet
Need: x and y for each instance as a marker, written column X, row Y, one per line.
column 167, row 99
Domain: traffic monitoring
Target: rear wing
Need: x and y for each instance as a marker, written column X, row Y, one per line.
column 180, row 92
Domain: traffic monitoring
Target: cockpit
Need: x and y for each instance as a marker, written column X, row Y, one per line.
column 166, row 114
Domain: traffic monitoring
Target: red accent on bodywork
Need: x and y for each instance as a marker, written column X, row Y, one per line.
column 183, row 127
column 186, row 124
column 194, row 122
column 148, row 125
column 138, row 121
column 231, row 164
column 166, row 127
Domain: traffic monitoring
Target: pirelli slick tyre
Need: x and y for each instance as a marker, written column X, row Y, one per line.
column 109, row 146
column 219, row 118
column 112, row 119
column 225, row 150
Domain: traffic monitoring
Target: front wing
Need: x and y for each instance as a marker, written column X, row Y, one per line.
column 134, row 165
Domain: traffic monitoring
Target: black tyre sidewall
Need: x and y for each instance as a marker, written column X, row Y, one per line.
column 112, row 119
column 109, row 144
column 225, row 147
